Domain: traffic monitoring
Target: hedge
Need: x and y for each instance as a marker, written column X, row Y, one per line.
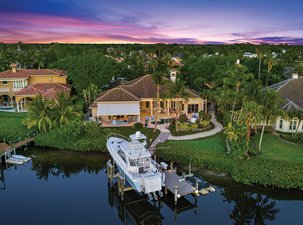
column 266, row 172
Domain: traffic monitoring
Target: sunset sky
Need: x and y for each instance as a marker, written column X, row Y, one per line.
column 153, row 21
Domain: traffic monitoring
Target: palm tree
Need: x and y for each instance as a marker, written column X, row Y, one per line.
column 235, row 80
column 177, row 90
column 157, row 76
column 270, row 102
column 260, row 57
column 64, row 109
column 39, row 114
column 250, row 114
column 90, row 94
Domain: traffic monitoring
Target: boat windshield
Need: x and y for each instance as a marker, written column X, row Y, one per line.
column 144, row 164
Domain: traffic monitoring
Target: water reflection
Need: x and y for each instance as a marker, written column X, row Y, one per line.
column 2, row 179
column 134, row 209
column 250, row 208
column 64, row 164
column 84, row 197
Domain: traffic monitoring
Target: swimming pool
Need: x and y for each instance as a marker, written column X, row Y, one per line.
column 7, row 109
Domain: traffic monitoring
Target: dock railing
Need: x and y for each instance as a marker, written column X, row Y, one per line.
column 118, row 136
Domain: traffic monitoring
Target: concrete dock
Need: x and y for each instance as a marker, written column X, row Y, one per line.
column 174, row 183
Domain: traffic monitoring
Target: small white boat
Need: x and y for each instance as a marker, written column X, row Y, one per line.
column 21, row 157
column 134, row 161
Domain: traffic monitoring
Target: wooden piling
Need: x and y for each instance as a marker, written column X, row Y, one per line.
column 176, row 195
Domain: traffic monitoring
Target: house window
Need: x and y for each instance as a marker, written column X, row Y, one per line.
column 4, row 82
column 192, row 108
column 281, row 124
column 161, row 104
column 147, row 104
column 293, row 124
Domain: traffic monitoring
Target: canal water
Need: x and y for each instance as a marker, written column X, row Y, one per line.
column 67, row 188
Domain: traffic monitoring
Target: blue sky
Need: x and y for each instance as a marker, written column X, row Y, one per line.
column 129, row 21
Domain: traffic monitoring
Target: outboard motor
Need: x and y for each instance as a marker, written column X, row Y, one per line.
column 155, row 196
column 160, row 194
column 150, row 197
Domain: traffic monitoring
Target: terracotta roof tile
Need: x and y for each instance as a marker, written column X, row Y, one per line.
column 116, row 94
column 25, row 73
column 134, row 90
column 47, row 89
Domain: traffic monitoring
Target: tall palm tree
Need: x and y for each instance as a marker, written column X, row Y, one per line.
column 260, row 57
column 250, row 114
column 177, row 90
column 64, row 109
column 160, row 72
column 39, row 114
column 235, row 80
column 270, row 102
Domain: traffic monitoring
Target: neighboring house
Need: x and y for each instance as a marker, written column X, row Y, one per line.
column 291, row 90
column 250, row 55
column 134, row 101
column 19, row 86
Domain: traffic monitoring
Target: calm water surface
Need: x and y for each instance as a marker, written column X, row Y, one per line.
column 71, row 188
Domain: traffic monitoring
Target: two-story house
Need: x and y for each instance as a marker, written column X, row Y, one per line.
column 19, row 86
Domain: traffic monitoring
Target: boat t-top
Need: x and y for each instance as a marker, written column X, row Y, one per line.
column 134, row 161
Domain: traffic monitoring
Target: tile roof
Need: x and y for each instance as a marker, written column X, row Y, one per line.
column 116, row 94
column 25, row 73
column 292, row 91
column 49, row 90
column 134, row 90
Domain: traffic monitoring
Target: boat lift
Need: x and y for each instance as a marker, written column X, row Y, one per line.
column 177, row 185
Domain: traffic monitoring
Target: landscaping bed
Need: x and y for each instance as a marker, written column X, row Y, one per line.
column 180, row 132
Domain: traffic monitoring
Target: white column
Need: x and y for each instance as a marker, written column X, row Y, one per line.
column 186, row 108
column 17, row 106
column 151, row 108
column 21, row 104
column 167, row 107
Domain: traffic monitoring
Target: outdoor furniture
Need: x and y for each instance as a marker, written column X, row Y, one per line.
column 193, row 120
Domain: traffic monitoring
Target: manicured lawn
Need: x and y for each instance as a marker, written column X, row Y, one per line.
column 274, row 148
column 215, row 143
column 11, row 126
column 280, row 165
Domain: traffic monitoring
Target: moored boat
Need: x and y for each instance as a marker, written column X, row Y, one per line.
column 134, row 161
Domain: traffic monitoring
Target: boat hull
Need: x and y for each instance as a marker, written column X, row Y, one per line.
column 143, row 182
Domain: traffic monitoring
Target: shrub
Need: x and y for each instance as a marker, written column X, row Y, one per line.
column 183, row 118
column 205, row 123
column 256, row 170
column 187, row 126
column 76, row 136
column 137, row 126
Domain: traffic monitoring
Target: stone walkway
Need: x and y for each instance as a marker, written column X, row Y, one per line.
column 165, row 133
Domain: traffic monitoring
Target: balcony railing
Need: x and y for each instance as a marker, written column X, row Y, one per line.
column 8, row 89
column 17, row 89
column 4, row 89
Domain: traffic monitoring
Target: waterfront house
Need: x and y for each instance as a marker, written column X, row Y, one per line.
column 17, row 86
column 134, row 101
column 291, row 90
